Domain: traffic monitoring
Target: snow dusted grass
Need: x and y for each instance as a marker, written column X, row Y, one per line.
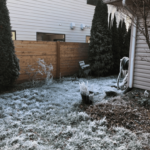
column 48, row 118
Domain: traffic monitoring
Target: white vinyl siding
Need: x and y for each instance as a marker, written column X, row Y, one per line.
column 142, row 68
column 51, row 16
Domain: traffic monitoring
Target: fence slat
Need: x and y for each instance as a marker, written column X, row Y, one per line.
column 58, row 59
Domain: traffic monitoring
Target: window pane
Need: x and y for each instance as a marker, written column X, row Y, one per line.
column 50, row 37
column 92, row 2
column 13, row 33
column 87, row 39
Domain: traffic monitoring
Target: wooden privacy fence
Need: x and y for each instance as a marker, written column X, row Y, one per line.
column 63, row 56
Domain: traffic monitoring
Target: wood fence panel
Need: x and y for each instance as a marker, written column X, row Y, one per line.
column 58, row 60
column 63, row 56
column 29, row 52
column 70, row 55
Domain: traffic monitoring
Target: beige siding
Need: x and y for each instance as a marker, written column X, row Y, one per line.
column 142, row 63
column 51, row 16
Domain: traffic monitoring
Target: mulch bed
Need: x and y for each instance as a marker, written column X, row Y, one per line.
column 131, row 115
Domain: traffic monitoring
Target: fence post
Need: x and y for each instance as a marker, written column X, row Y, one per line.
column 58, row 59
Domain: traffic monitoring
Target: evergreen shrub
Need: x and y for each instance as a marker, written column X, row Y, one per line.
column 100, row 48
column 9, row 64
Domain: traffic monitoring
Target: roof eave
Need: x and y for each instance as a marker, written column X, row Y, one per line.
column 117, row 2
column 113, row 2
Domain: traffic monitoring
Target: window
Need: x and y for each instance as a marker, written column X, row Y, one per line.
column 87, row 39
column 50, row 37
column 92, row 2
column 13, row 33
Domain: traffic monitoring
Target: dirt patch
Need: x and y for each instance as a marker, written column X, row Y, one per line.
column 137, row 97
column 126, row 110
column 130, row 117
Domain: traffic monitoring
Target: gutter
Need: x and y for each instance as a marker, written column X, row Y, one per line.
column 132, row 46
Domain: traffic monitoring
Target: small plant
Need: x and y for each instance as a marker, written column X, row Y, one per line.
column 87, row 96
column 144, row 102
column 146, row 94
column 43, row 69
column 84, row 88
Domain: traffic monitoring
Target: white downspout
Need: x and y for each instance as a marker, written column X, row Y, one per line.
column 132, row 46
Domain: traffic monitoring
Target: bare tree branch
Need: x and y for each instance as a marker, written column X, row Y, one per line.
column 141, row 9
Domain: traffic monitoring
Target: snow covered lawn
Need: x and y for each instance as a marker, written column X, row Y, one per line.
column 48, row 118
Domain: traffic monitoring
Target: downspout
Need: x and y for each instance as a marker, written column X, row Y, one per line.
column 132, row 46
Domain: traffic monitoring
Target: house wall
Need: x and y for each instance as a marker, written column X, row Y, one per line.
column 51, row 16
column 142, row 63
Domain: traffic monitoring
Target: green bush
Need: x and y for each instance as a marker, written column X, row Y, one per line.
column 115, row 46
column 9, row 64
column 100, row 48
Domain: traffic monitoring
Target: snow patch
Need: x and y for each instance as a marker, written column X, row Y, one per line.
column 48, row 117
